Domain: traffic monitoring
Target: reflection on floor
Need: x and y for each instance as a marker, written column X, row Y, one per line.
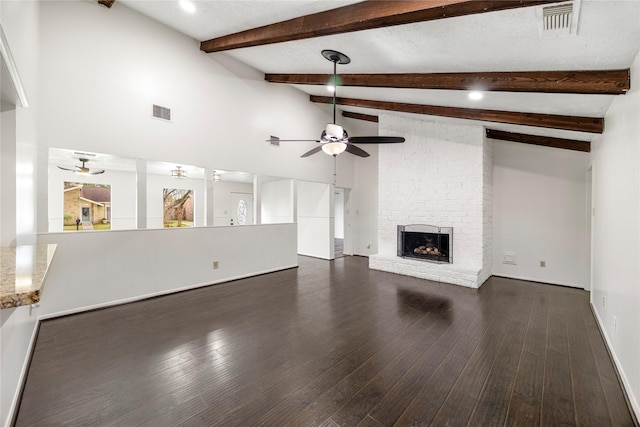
column 329, row 343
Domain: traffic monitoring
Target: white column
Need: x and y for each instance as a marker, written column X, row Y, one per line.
column 257, row 200
column 294, row 200
column 141, row 193
column 208, row 196
column 8, row 178
column 42, row 190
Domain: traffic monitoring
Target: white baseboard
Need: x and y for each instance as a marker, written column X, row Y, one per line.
column 23, row 376
column 159, row 293
column 531, row 279
column 25, row 365
column 633, row 402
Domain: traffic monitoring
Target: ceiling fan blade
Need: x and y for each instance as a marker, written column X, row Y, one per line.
column 376, row 139
column 292, row 140
column 356, row 150
column 96, row 172
column 314, row 151
column 66, row 169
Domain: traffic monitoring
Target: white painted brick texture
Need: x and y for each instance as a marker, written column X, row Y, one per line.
column 442, row 176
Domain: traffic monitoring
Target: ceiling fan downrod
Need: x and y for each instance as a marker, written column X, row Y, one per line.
column 337, row 58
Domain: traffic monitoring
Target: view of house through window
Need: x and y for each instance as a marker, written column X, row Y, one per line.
column 87, row 206
column 177, row 207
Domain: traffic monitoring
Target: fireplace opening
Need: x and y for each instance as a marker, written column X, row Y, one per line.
column 426, row 242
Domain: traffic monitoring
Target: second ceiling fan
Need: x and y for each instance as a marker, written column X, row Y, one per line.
column 334, row 139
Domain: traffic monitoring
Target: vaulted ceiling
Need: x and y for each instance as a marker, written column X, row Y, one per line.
column 548, row 87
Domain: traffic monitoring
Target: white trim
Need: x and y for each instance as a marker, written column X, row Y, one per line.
column 31, row 347
column 543, row 281
column 91, row 201
column 10, row 63
column 160, row 293
column 628, row 391
column 315, row 256
column 23, row 376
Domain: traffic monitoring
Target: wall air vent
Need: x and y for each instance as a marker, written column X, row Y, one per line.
column 162, row 113
column 275, row 141
column 560, row 20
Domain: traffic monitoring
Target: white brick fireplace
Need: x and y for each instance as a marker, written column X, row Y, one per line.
column 441, row 176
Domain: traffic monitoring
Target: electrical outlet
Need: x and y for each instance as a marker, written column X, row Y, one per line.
column 215, row 265
column 615, row 324
column 543, row 263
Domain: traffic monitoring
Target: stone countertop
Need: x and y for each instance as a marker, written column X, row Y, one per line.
column 22, row 273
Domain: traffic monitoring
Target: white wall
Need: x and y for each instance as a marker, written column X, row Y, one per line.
column 360, row 176
column 91, row 75
column 222, row 199
column 539, row 213
column 222, row 110
column 338, row 217
column 616, row 241
column 123, row 196
column 19, row 22
column 277, row 201
column 92, row 270
column 365, row 203
column 17, row 329
column 315, row 219
column 126, row 265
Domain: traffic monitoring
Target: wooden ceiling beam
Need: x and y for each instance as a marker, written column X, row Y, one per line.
column 360, row 116
column 365, row 15
column 552, row 121
column 107, row 3
column 546, row 141
column 609, row 82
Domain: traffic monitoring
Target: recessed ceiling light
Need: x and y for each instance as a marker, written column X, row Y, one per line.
column 475, row 95
column 331, row 88
column 187, row 6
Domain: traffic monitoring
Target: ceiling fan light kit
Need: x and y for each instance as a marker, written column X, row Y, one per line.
column 82, row 170
column 179, row 173
column 334, row 138
column 334, row 148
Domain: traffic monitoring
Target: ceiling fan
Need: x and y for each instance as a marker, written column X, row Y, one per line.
column 83, row 170
column 334, row 139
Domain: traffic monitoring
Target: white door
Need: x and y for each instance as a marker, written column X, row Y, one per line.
column 241, row 208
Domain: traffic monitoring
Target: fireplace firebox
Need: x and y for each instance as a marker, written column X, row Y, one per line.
column 426, row 242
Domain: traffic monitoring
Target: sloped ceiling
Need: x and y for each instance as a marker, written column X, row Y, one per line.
column 607, row 37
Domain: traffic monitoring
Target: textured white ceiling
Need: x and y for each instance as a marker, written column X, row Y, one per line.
column 608, row 37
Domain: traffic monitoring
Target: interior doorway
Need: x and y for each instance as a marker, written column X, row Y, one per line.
column 341, row 241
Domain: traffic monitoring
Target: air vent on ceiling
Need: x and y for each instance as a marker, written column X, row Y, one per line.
column 274, row 140
column 560, row 20
column 162, row 113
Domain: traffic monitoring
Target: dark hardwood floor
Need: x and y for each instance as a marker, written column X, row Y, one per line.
column 329, row 344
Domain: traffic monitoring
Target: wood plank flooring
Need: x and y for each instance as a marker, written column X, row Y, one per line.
column 329, row 344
